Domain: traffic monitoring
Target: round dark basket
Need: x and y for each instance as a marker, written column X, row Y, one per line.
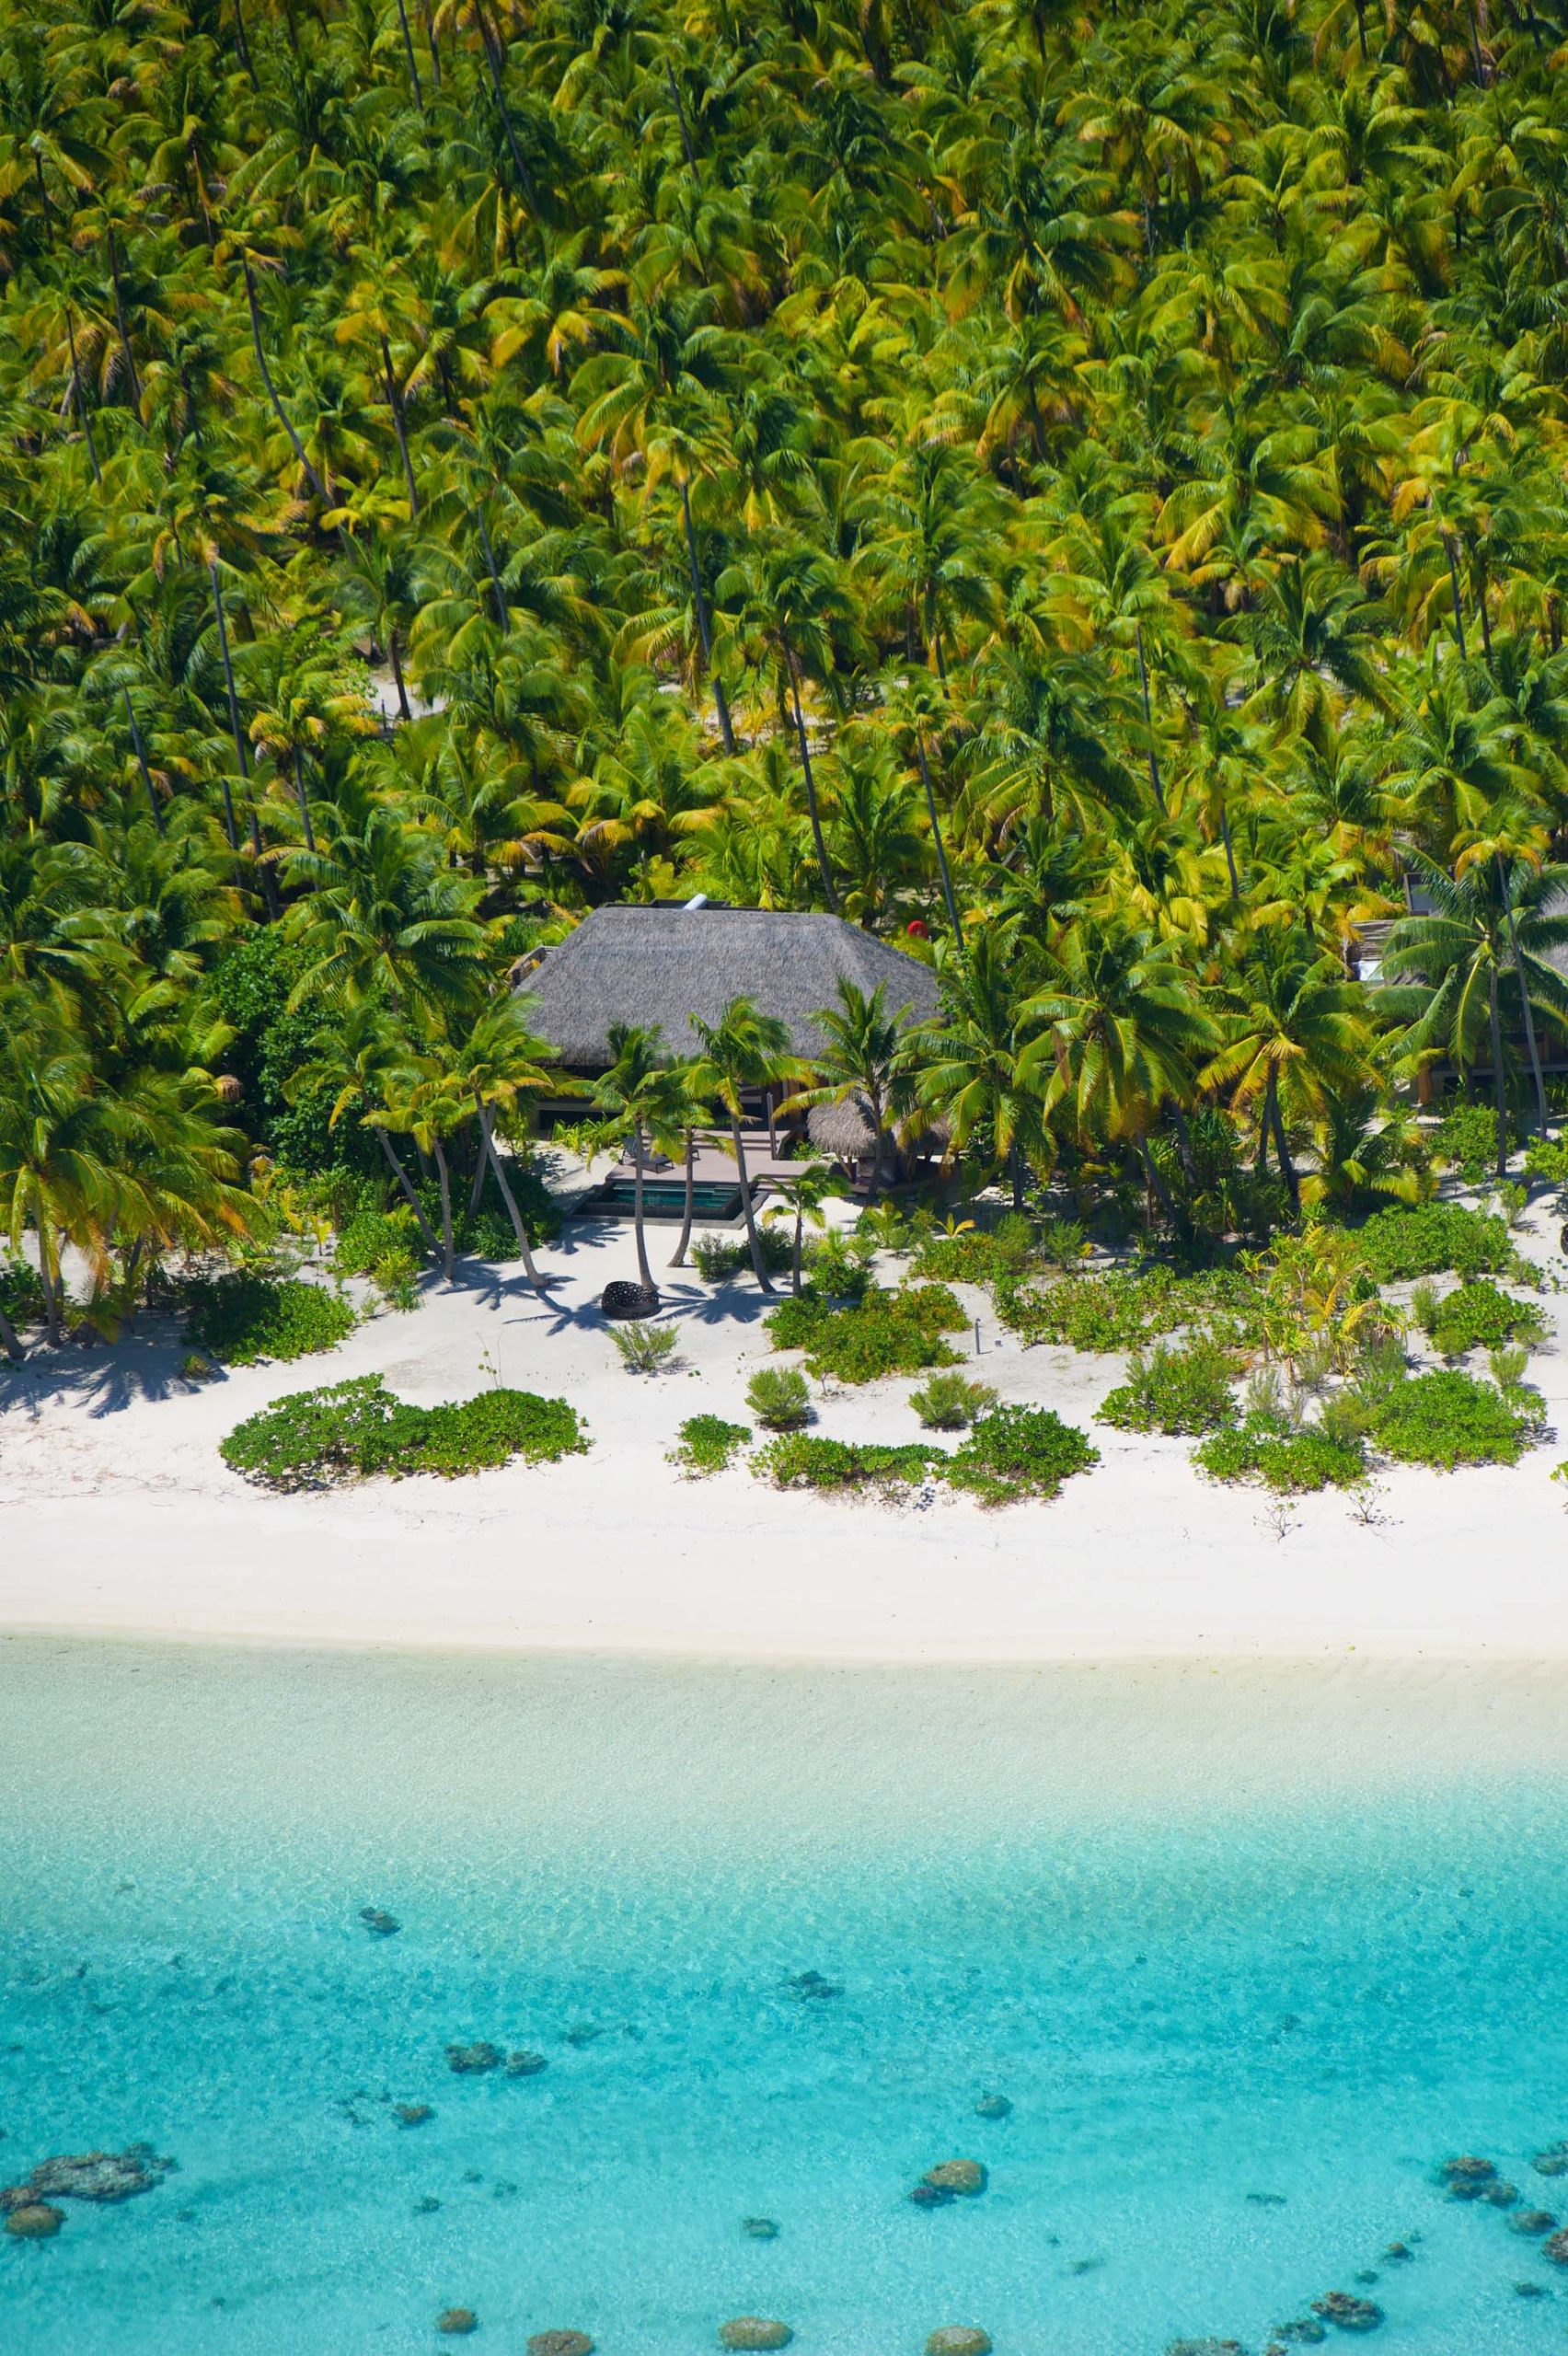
column 625, row 1299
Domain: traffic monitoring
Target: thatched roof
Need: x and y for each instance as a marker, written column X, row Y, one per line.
column 845, row 1132
column 662, row 962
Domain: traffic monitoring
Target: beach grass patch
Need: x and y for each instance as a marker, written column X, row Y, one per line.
column 707, row 1445
column 950, row 1402
column 717, row 1258
column 779, row 1398
column 245, row 1317
column 1129, row 1306
column 1181, row 1389
column 354, row 1430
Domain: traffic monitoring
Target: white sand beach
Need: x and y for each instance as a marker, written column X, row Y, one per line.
column 117, row 1514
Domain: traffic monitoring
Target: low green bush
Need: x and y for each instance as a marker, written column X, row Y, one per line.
column 351, row 1430
column 802, row 1461
column 838, row 1268
column 245, row 1317
column 948, row 1402
column 1286, row 1457
column 1427, row 1238
column 1465, row 1139
column 1481, row 1315
column 977, row 1256
column 21, row 1294
column 717, row 1258
column 779, row 1398
column 1020, row 1452
column 1447, row 1418
column 1118, row 1311
column 708, row 1445
column 1181, row 1389
column 1547, row 1159
column 888, row 1333
column 371, row 1237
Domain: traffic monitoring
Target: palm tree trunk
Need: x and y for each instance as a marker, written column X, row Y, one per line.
column 644, row 1272
column 680, row 118
column 229, row 827
column 1015, row 1171
column 951, row 904
column 10, row 1341
column 524, row 1249
column 396, row 405
column 1536, row 1072
column 746, row 1211
column 524, row 178
column 678, row 1257
column 408, row 53
column 120, row 318
column 80, row 390
column 1148, row 725
column 795, row 1254
column 1454, row 585
column 303, row 800
column 448, row 1248
column 53, row 1289
column 1157, row 1186
column 142, row 759
column 501, row 613
column 1499, row 1094
column 405, row 711
column 426, row 1231
column 830, row 894
column 312, row 478
column 703, row 631
column 1281, row 1146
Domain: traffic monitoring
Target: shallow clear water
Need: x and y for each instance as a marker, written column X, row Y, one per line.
column 1283, row 1933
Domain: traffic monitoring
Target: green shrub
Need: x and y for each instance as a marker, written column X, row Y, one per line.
column 1466, row 1138
column 1185, row 1389
column 243, row 1318
column 799, row 1461
column 194, row 1368
column 371, row 1237
column 1020, row 1452
column 396, row 1278
column 948, row 1402
column 1118, row 1311
column 889, row 1332
column 838, row 1268
column 779, row 1398
column 708, row 1445
column 645, row 1349
column 979, row 1255
column 1428, row 1238
column 1481, row 1315
column 1449, row 1418
column 21, row 1294
column 1547, row 1159
column 318, row 1438
column 1285, row 1458
column 718, row 1258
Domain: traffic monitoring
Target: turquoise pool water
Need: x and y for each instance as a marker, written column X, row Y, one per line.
column 1248, row 1953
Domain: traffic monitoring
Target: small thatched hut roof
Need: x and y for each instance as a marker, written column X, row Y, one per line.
column 662, row 962
column 845, row 1132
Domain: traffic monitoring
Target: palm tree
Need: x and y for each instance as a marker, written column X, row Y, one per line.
column 503, row 1063
column 802, row 1197
column 385, row 916
column 744, row 1051
column 859, row 1064
column 1294, row 1029
column 968, row 1068
column 632, row 1097
column 351, row 1056
column 1488, row 940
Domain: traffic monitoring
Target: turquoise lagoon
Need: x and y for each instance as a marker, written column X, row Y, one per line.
column 1249, row 1951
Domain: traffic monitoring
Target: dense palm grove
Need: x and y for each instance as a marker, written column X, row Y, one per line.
column 1077, row 490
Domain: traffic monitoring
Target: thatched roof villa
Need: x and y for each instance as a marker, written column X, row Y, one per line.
column 663, row 962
